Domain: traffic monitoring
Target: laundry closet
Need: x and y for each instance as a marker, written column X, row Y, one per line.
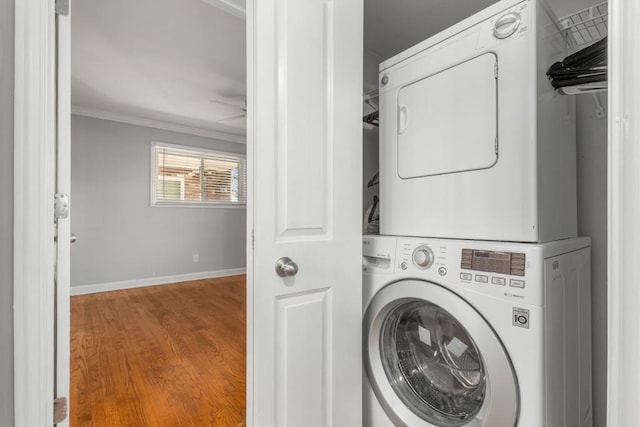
column 521, row 178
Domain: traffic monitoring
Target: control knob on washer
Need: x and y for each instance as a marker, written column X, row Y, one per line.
column 422, row 257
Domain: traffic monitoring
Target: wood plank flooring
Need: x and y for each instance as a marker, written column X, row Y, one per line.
column 170, row 355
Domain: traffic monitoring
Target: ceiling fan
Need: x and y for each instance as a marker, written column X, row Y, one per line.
column 241, row 108
column 234, row 7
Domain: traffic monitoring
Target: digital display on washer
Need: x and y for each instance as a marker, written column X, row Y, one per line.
column 493, row 262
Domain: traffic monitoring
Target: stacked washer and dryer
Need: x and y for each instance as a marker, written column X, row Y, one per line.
column 477, row 291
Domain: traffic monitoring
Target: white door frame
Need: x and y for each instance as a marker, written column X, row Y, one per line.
column 63, row 225
column 623, row 372
column 34, row 137
column 34, row 151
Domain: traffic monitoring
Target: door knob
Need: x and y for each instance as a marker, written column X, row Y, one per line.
column 73, row 238
column 285, row 267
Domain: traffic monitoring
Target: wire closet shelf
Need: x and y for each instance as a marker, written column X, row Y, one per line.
column 587, row 26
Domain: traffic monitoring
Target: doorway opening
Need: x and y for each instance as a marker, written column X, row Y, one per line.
column 169, row 74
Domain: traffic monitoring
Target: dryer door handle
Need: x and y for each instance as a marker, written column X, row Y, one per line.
column 403, row 118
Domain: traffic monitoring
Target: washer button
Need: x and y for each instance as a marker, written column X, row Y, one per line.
column 498, row 281
column 442, row 271
column 466, row 276
column 520, row 317
column 481, row 278
column 514, row 283
column 404, row 265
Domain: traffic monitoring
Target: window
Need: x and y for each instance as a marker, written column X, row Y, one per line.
column 196, row 177
column 171, row 187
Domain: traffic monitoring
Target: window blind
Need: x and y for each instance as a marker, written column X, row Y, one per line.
column 197, row 176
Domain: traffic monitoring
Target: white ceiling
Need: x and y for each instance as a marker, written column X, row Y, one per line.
column 167, row 60
column 159, row 59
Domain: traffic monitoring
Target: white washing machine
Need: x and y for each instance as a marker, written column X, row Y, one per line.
column 474, row 333
column 474, row 141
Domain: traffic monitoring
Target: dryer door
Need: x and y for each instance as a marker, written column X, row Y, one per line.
column 448, row 122
column 433, row 360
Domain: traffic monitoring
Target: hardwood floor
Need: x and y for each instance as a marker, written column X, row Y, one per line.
column 170, row 355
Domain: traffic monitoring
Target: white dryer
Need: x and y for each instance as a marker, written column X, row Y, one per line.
column 470, row 333
column 474, row 141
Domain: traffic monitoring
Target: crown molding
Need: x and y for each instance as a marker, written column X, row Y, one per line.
column 157, row 124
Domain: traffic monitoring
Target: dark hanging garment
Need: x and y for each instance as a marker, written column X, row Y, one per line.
column 371, row 118
column 588, row 65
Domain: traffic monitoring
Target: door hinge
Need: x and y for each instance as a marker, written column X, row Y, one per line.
column 62, row 7
column 496, row 145
column 60, row 206
column 495, row 69
column 59, row 409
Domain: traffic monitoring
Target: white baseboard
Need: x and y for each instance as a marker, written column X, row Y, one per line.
column 152, row 281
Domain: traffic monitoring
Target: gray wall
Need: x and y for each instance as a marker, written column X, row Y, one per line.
column 370, row 64
column 369, row 132
column 120, row 237
column 6, row 212
column 563, row 8
column 592, row 221
column 370, row 164
column 592, row 218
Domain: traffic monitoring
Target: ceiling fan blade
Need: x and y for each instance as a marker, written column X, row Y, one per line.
column 228, row 104
column 229, row 119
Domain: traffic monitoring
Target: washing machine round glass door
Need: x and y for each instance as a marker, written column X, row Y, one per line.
column 433, row 360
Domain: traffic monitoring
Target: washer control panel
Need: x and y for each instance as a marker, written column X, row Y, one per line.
column 504, row 270
column 512, row 263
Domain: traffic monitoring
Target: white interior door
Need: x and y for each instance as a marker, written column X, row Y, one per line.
column 63, row 187
column 305, row 154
